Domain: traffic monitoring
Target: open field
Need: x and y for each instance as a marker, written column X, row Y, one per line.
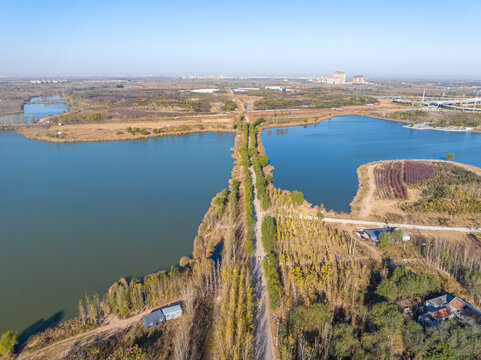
column 117, row 129
column 415, row 191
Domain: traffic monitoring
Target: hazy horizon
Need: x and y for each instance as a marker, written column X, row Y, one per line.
column 407, row 41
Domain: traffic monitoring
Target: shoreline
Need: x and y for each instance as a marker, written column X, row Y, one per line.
column 364, row 183
column 116, row 131
column 448, row 129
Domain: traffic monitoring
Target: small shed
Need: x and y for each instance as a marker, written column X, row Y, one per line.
column 172, row 312
column 153, row 319
column 373, row 234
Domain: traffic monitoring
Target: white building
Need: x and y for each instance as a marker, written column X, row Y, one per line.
column 172, row 312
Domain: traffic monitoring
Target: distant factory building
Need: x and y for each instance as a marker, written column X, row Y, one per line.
column 358, row 79
column 338, row 78
column 279, row 88
column 204, row 91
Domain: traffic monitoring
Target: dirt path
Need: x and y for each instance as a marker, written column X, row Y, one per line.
column 263, row 344
column 366, row 204
column 403, row 226
column 60, row 349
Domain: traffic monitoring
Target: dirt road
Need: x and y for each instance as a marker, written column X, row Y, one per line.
column 60, row 349
column 263, row 345
column 403, row 226
column 367, row 201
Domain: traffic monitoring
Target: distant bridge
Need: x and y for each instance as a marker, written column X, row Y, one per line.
column 464, row 104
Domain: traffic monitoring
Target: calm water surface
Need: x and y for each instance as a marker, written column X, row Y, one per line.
column 35, row 109
column 74, row 218
column 321, row 160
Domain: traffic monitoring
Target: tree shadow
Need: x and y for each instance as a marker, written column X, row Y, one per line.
column 37, row 327
column 217, row 253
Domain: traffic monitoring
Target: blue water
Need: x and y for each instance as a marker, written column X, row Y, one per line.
column 321, row 160
column 38, row 99
column 74, row 218
column 35, row 109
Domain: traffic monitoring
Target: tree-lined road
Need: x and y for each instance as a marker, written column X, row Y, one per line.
column 263, row 344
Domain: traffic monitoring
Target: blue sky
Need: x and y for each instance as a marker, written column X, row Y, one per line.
column 391, row 39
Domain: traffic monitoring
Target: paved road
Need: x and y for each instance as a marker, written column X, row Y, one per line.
column 263, row 345
column 384, row 224
column 404, row 226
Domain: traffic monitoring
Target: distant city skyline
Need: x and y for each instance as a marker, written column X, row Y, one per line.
column 379, row 39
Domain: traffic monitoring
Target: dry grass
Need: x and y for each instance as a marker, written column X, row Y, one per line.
column 391, row 211
column 117, row 130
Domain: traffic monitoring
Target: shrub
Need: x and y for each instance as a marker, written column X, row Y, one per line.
column 310, row 318
column 184, row 261
column 274, row 288
column 297, row 197
column 268, row 231
column 450, row 156
column 386, row 316
column 230, row 105
column 263, row 160
column 7, row 341
column 264, row 203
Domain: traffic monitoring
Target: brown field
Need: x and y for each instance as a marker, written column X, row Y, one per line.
column 115, row 129
column 377, row 200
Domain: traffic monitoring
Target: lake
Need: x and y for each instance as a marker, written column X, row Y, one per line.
column 35, row 109
column 74, row 218
column 321, row 160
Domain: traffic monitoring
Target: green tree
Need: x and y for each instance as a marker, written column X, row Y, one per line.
column 384, row 240
column 297, row 197
column 397, row 235
column 449, row 156
column 386, row 316
column 344, row 343
column 310, row 318
column 442, row 352
column 404, row 283
column 263, row 160
column 7, row 341
column 268, row 231
column 415, row 339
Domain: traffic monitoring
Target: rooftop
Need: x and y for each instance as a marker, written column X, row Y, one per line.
column 172, row 309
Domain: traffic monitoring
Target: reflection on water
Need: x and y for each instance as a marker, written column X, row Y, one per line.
column 278, row 132
column 36, row 109
column 321, row 160
column 74, row 218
